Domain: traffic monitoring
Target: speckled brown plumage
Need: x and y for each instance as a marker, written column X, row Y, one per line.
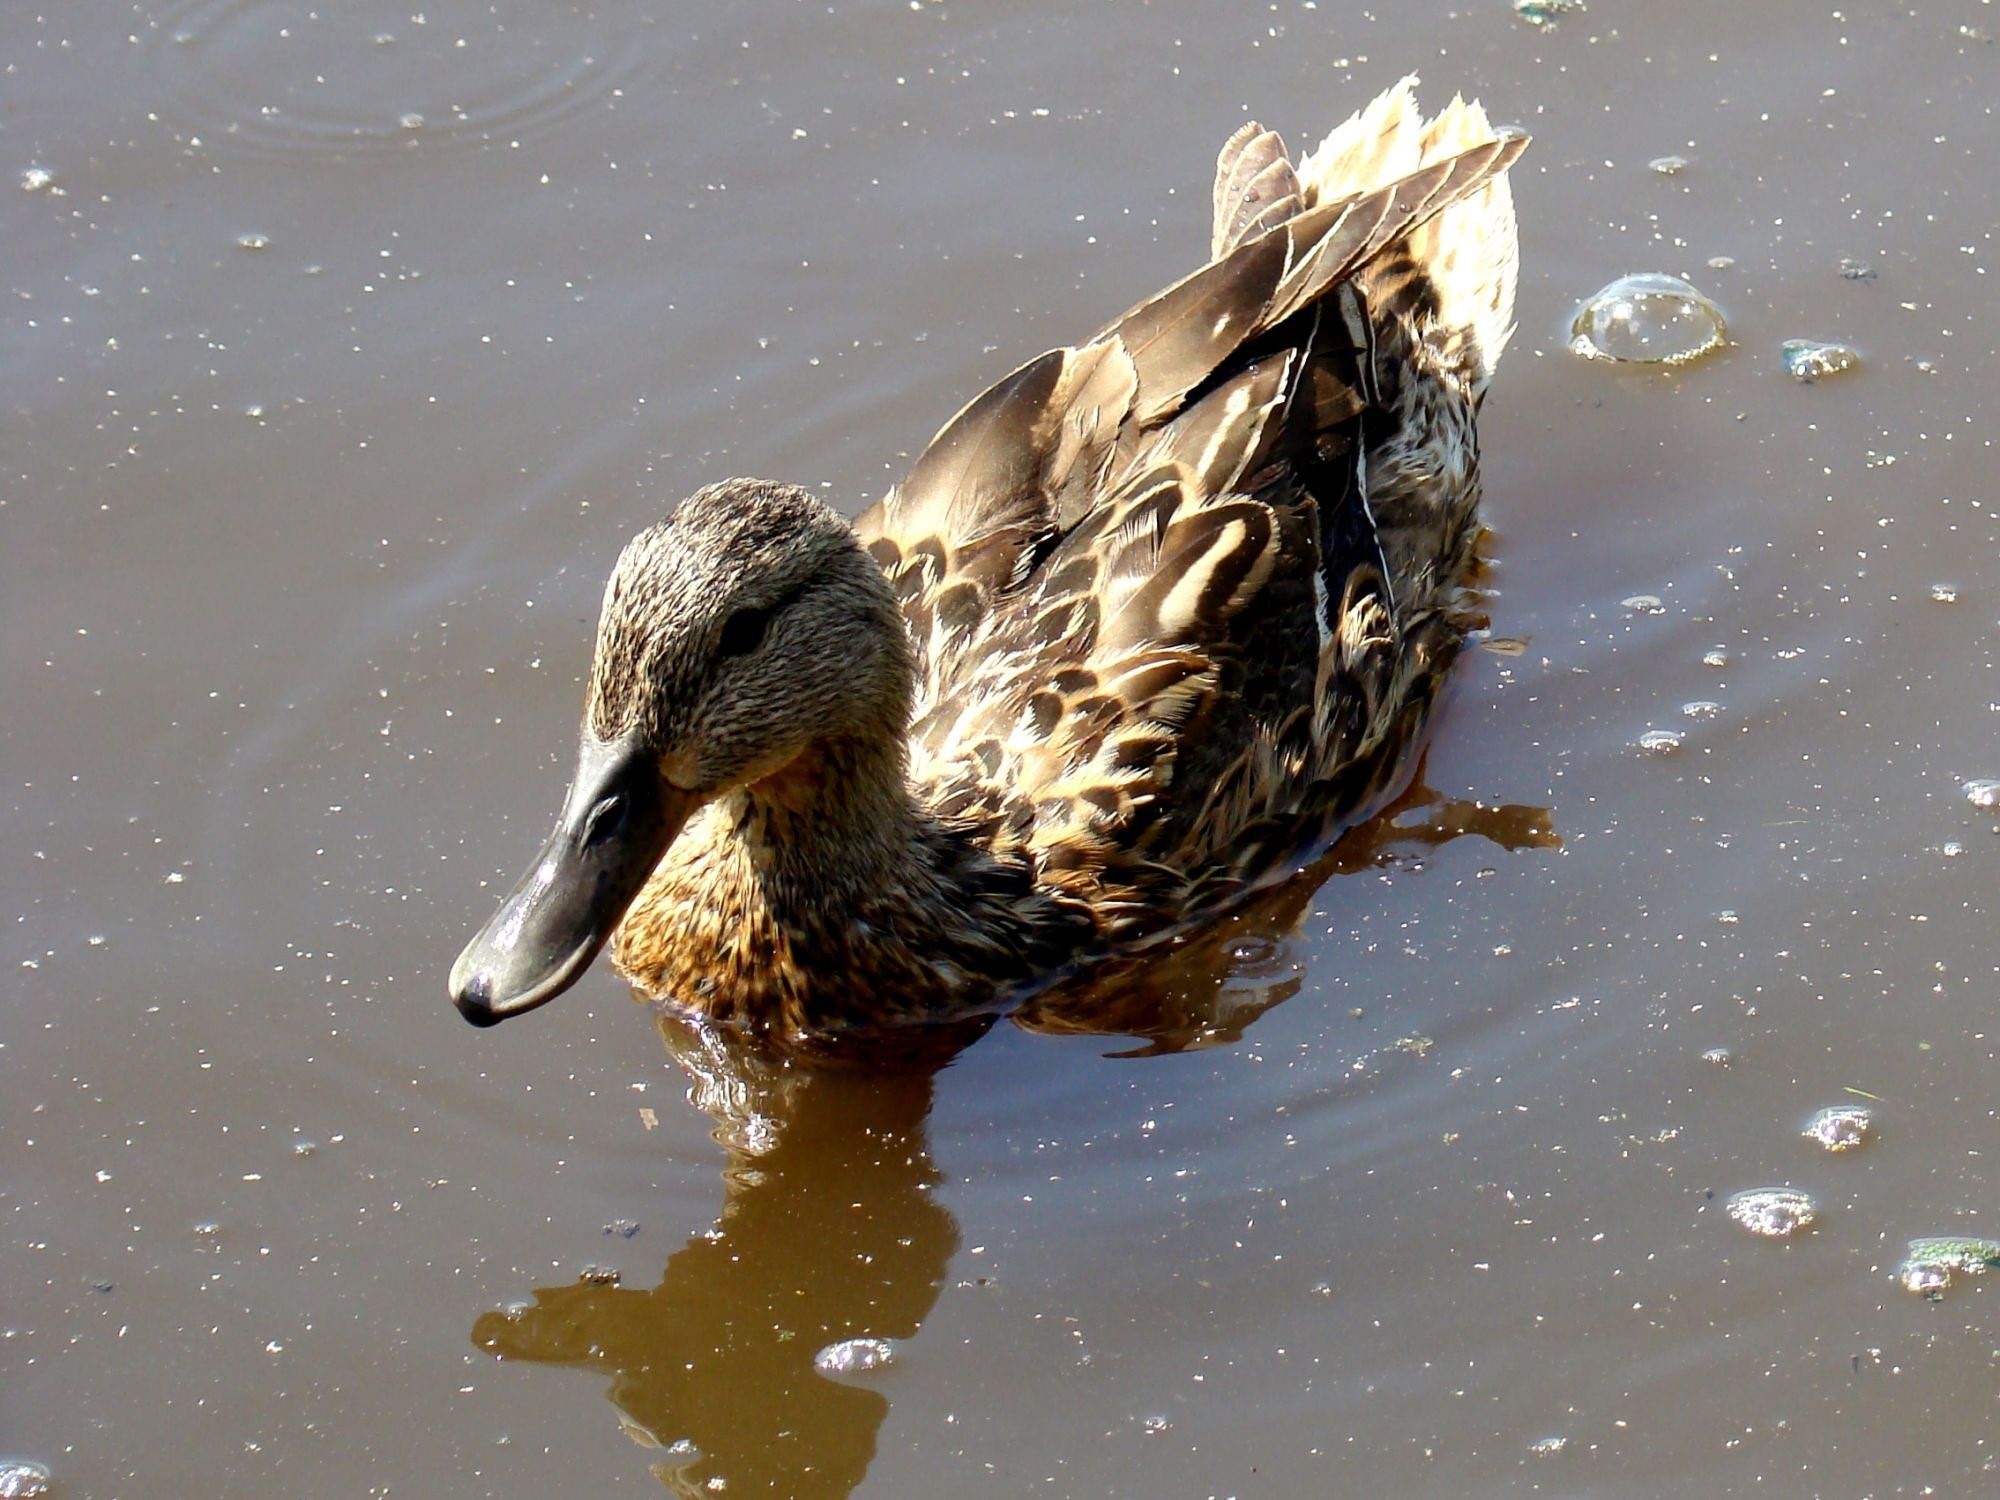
column 1147, row 621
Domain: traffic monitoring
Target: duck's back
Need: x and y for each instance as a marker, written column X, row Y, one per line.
column 1183, row 594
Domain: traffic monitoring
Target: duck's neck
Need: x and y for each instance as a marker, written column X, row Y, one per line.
column 824, row 897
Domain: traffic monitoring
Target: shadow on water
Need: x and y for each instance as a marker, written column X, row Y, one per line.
column 830, row 1228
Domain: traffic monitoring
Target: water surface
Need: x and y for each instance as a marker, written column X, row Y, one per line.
column 343, row 347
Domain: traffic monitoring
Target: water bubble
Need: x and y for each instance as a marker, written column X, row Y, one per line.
column 863, row 1356
column 1719, row 1057
column 1659, row 742
column 1852, row 269
column 253, row 241
column 1728, row 918
column 1648, row 318
column 1715, row 656
column 207, row 1229
column 1933, row 1262
column 1721, row 262
column 274, row 1346
column 1983, row 792
column 1840, row 1127
column 1668, row 166
column 1773, row 1213
column 623, row 1228
column 1807, row 360
column 1951, row 848
column 23, row 1479
column 1548, row 1447
column 1643, row 604
column 37, row 180
column 410, row 121
column 1546, row 13
column 305, row 1148
column 1945, row 593
column 595, row 1275
column 1700, row 708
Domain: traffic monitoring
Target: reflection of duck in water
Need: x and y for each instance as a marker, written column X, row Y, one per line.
column 1146, row 621
column 829, row 1231
column 831, row 1228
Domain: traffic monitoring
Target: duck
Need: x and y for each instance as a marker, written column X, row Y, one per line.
column 1147, row 625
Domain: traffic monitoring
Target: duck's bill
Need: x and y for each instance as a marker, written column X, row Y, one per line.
column 620, row 817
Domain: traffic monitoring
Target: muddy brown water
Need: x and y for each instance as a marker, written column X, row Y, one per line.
column 343, row 345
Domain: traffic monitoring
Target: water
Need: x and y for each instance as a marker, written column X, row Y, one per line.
column 1431, row 1164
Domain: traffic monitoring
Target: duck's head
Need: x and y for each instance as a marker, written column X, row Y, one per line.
column 735, row 636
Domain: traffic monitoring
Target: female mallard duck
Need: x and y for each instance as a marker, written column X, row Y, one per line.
column 1147, row 621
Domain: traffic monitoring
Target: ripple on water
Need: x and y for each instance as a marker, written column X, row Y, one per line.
column 293, row 77
column 1648, row 318
column 1841, row 1127
column 1773, row 1213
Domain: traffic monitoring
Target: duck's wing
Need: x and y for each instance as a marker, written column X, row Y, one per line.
column 1030, row 458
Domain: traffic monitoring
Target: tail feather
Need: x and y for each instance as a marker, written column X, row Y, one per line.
column 1468, row 256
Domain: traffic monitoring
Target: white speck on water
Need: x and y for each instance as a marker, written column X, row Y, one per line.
column 1659, row 742
column 862, row 1356
column 1807, row 360
column 1983, row 792
column 37, row 180
column 1773, row 1213
column 1701, row 708
column 1648, row 318
column 274, row 1346
column 1945, row 593
column 1547, row 1447
column 253, row 241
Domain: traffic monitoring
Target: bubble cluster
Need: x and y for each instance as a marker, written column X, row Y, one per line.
column 1807, row 360
column 1773, row 1213
column 862, row 1356
column 1841, row 1127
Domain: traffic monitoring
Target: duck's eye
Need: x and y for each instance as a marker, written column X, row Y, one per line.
column 743, row 632
column 605, row 820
